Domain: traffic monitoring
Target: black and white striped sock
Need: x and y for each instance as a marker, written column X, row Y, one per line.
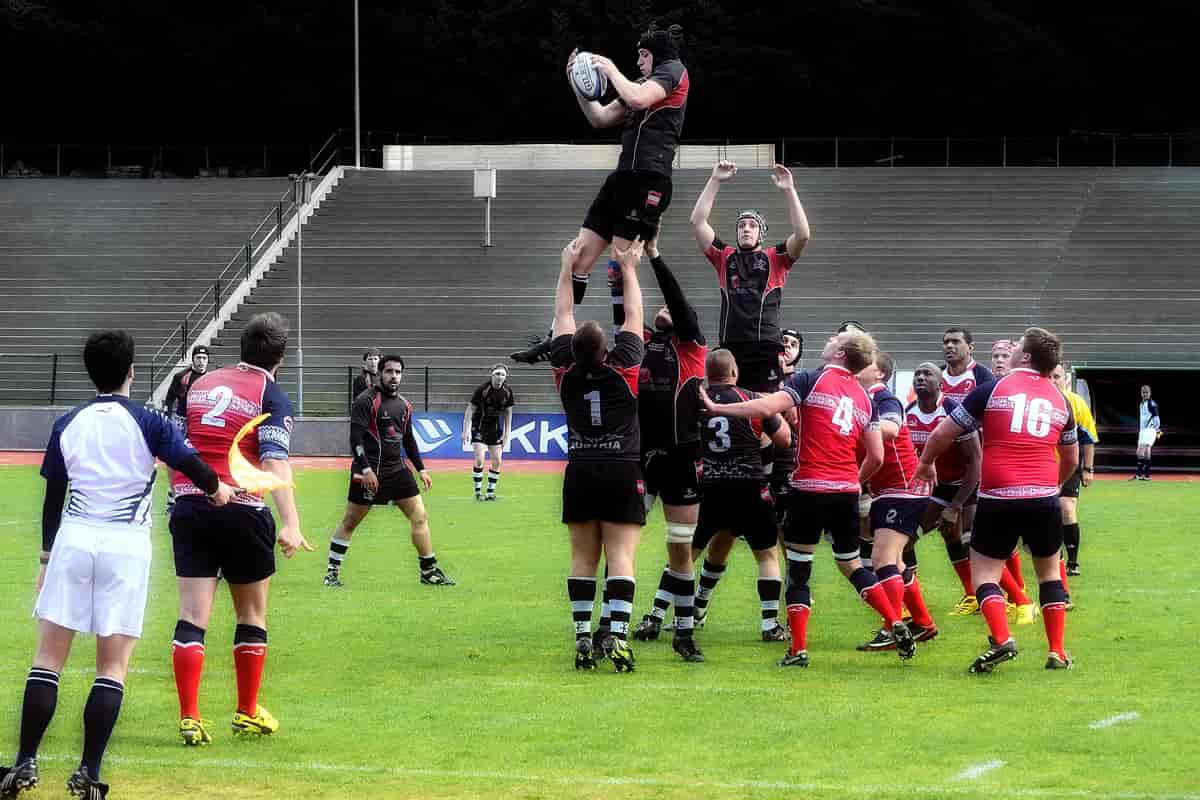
column 620, row 601
column 582, row 594
column 493, row 479
column 769, row 590
column 337, row 553
column 477, row 476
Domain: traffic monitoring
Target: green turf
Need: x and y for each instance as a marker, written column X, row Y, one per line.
column 387, row 688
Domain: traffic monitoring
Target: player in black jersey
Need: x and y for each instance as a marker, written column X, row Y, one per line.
column 368, row 376
column 737, row 501
column 603, row 489
column 634, row 197
column 484, row 430
column 751, row 278
column 175, row 403
column 382, row 442
column 784, row 458
column 672, row 369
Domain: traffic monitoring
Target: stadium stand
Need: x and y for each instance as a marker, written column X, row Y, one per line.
column 79, row 255
column 394, row 259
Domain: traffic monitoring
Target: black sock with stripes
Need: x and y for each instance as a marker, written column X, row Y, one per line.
column 582, row 594
column 664, row 596
column 768, row 601
column 620, row 603
column 682, row 586
column 710, row 575
column 99, row 718
column 493, row 479
column 337, row 553
column 477, row 477
column 41, row 698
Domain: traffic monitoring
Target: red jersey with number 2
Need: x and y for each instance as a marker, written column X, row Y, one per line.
column 219, row 404
column 1023, row 418
column 835, row 412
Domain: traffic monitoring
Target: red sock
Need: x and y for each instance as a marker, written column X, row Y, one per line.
column 1062, row 574
column 1055, row 618
column 894, row 586
column 996, row 614
column 1014, row 566
column 248, row 660
column 916, row 603
column 797, row 617
column 963, row 568
column 188, row 660
column 1014, row 590
column 877, row 598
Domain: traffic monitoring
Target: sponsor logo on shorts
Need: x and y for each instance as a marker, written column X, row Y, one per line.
column 765, row 494
column 653, row 199
column 641, row 486
column 891, row 515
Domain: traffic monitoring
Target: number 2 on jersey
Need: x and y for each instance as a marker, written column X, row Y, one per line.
column 222, row 397
column 843, row 416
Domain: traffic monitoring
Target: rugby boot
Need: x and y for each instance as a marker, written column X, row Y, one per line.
column 994, row 655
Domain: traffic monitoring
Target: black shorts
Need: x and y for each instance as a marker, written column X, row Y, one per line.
column 1072, row 486
column 630, row 204
column 811, row 513
column 900, row 514
column 758, row 365
column 400, row 486
column 744, row 508
column 236, row 541
column 1001, row 524
column 671, row 475
column 490, row 436
column 604, row 491
column 944, row 494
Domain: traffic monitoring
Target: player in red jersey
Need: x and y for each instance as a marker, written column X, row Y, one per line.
column 603, row 489
column 751, row 277
column 897, row 507
column 1029, row 451
column 1001, row 356
column 835, row 417
column 957, row 475
column 236, row 541
column 962, row 373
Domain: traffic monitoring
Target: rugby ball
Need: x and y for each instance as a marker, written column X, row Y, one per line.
column 587, row 80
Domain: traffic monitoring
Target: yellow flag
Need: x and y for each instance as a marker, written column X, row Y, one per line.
column 245, row 474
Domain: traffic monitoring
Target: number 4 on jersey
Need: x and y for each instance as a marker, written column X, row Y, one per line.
column 843, row 416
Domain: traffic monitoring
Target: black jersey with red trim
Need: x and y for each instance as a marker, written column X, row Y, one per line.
column 731, row 449
column 671, row 374
column 381, row 434
column 650, row 136
column 176, row 399
column 490, row 404
column 601, row 404
column 751, row 290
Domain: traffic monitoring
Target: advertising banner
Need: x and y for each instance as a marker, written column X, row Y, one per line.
column 535, row 436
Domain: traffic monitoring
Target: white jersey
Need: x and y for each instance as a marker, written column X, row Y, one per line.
column 1148, row 416
column 105, row 449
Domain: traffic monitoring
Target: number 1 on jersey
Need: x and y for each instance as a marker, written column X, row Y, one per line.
column 593, row 398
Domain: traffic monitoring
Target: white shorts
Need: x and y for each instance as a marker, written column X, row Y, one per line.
column 97, row 578
column 1147, row 437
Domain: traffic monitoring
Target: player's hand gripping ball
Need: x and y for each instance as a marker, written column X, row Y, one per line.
column 589, row 82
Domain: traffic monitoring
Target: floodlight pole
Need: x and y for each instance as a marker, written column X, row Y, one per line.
column 302, row 192
column 357, row 110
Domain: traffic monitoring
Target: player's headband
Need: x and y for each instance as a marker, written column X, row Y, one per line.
column 500, row 370
column 199, row 350
column 851, row 325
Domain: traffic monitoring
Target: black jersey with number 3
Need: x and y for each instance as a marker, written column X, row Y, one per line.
column 731, row 448
column 601, row 404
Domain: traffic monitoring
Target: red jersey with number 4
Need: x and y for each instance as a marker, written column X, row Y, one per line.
column 1023, row 418
column 835, row 412
column 895, row 476
column 956, row 387
column 951, row 467
column 219, row 404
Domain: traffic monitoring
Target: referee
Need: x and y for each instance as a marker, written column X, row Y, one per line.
column 95, row 558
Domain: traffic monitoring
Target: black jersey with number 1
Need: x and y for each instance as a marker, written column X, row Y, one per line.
column 601, row 404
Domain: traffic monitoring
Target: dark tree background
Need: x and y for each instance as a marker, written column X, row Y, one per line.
column 493, row 69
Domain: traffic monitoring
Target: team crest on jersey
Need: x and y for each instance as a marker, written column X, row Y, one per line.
column 641, row 486
column 653, row 199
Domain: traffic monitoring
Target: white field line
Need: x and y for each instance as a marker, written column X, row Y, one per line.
column 840, row 787
column 1114, row 720
column 971, row 773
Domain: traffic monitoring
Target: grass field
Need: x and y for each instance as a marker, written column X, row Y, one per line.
column 387, row 688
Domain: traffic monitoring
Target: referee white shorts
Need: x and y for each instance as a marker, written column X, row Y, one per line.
column 1147, row 437
column 97, row 578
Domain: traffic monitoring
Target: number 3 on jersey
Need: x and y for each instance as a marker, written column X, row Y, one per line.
column 843, row 416
column 720, row 427
column 221, row 396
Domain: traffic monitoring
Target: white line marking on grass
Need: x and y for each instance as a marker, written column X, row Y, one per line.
column 971, row 773
column 1127, row 716
column 840, row 787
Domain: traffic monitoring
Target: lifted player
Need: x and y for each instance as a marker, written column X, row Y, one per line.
column 637, row 193
column 484, row 430
column 751, row 278
column 1029, row 450
column 382, row 442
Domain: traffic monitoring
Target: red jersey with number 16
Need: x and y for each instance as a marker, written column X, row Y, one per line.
column 219, row 404
column 835, row 412
column 1023, row 417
